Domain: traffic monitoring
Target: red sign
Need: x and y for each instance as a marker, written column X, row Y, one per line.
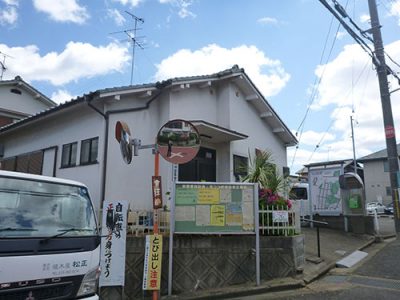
column 157, row 192
column 389, row 132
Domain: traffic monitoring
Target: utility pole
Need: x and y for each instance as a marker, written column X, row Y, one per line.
column 354, row 146
column 390, row 134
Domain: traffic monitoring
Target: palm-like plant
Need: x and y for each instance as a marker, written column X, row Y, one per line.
column 262, row 170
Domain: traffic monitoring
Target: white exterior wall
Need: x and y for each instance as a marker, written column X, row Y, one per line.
column 245, row 119
column 133, row 182
column 24, row 103
column 75, row 126
column 217, row 104
column 376, row 181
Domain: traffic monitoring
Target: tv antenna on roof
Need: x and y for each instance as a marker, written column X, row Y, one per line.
column 133, row 38
column 3, row 67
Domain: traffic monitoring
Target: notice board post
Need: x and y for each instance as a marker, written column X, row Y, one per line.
column 214, row 208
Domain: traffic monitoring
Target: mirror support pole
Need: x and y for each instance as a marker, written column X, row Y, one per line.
column 155, row 211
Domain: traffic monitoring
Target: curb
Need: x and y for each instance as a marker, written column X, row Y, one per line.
column 332, row 265
column 280, row 284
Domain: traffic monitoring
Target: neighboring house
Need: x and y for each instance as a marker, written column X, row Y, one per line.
column 76, row 139
column 346, row 166
column 19, row 100
column 377, row 177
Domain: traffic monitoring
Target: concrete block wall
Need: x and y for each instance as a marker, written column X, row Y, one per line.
column 207, row 262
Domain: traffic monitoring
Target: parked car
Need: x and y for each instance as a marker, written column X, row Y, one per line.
column 375, row 206
column 389, row 209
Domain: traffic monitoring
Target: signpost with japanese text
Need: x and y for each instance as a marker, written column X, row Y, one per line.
column 113, row 243
column 152, row 263
column 178, row 142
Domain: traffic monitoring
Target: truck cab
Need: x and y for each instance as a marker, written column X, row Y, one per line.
column 49, row 239
column 300, row 194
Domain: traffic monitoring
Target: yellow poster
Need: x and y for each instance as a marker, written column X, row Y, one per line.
column 208, row 196
column 152, row 262
column 217, row 215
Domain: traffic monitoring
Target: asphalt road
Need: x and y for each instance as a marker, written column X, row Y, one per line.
column 375, row 277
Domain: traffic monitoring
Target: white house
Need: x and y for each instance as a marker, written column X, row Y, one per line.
column 76, row 140
column 377, row 177
column 19, row 100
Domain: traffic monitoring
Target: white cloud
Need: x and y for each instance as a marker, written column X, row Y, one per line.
column 267, row 74
column 11, row 2
column 365, row 18
column 268, row 21
column 116, row 16
column 312, row 138
column 76, row 61
column 132, row 3
column 349, row 81
column 182, row 6
column 8, row 16
column 340, row 35
column 62, row 10
column 61, row 96
column 395, row 10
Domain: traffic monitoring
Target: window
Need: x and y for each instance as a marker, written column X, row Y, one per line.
column 386, row 166
column 240, row 164
column 388, row 191
column 31, row 163
column 68, row 157
column 89, row 149
column 201, row 168
column 297, row 193
column 9, row 164
column 16, row 91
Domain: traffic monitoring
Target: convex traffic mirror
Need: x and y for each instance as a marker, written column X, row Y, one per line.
column 178, row 141
column 123, row 136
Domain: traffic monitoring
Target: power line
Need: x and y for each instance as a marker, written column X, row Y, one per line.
column 318, row 145
column 315, row 86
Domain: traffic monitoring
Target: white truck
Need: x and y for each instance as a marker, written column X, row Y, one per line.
column 300, row 194
column 49, row 239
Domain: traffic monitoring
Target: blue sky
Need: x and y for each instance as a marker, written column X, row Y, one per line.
column 293, row 50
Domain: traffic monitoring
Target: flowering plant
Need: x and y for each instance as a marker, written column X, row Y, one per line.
column 268, row 198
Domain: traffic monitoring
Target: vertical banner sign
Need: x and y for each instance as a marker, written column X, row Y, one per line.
column 157, row 192
column 113, row 243
column 152, row 263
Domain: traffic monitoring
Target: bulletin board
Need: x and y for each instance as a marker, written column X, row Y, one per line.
column 214, row 208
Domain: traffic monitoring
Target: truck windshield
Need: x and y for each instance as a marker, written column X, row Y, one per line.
column 31, row 208
column 298, row 193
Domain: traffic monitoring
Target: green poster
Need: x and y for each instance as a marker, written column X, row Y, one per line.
column 186, row 196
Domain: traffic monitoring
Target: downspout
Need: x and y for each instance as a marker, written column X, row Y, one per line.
column 160, row 87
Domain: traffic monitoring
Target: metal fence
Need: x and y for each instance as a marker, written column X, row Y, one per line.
column 280, row 220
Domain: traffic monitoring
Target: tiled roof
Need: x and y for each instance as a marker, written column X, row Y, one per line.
column 379, row 155
column 234, row 71
column 19, row 81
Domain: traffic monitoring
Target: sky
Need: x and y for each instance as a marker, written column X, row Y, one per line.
column 307, row 66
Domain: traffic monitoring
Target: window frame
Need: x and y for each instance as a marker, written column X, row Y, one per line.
column 238, row 162
column 69, row 164
column 91, row 160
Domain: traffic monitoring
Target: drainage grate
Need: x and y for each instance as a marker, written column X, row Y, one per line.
column 376, row 282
